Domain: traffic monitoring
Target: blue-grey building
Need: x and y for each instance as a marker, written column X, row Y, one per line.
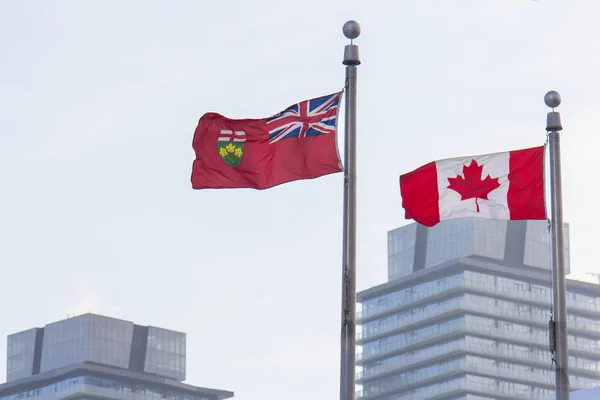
column 464, row 316
column 97, row 357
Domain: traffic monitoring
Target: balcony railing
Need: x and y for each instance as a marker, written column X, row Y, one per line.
column 524, row 338
column 532, row 378
column 476, row 286
column 525, row 315
column 525, row 357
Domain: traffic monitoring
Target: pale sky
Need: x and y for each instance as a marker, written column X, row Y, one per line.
column 99, row 101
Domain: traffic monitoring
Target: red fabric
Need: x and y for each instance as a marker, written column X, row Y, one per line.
column 526, row 187
column 264, row 164
column 419, row 191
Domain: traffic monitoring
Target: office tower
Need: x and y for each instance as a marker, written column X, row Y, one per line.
column 97, row 357
column 464, row 315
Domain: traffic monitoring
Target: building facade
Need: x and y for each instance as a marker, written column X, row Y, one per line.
column 583, row 394
column 97, row 357
column 464, row 316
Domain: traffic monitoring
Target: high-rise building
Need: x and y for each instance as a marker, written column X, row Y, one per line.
column 465, row 312
column 97, row 357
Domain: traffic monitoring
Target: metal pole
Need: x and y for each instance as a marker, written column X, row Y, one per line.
column 348, row 346
column 559, row 289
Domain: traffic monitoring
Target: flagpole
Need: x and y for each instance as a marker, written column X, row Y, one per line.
column 559, row 287
column 351, row 30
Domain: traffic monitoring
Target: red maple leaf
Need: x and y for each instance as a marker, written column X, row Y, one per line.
column 472, row 186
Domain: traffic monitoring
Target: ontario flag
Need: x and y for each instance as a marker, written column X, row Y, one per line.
column 506, row 186
column 296, row 143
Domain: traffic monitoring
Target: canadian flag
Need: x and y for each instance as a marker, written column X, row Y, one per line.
column 507, row 185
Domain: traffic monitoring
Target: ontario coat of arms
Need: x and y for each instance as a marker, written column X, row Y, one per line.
column 231, row 146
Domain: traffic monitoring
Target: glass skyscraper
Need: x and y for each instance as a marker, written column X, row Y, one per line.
column 97, row 357
column 464, row 316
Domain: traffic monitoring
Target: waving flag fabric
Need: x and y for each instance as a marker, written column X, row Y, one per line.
column 507, row 185
column 297, row 143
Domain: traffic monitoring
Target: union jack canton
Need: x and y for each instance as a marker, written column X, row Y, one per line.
column 308, row 118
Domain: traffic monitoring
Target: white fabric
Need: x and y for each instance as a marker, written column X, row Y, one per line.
column 450, row 204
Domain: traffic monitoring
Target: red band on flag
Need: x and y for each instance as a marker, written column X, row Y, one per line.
column 526, row 188
column 419, row 190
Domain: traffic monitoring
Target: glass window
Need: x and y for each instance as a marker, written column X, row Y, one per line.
column 165, row 353
column 449, row 240
column 88, row 337
column 103, row 387
column 404, row 297
column 405, row 319
column 20, row 351
column 489, row 238
column 401, row 251
column 537, row 245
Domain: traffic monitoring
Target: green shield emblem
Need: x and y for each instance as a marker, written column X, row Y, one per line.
column 231, row 152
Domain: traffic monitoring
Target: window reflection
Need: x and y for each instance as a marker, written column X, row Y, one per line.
column 165, row 353
column 469, row 280
column 408, row 382
column 401, row 251
column 449, row 240
column 405, row 297
column 88, row 337
column 537, row 245
column 20, row 351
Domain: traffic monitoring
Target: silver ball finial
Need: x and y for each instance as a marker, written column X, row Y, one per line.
column 351, row 30
column 552, row 99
